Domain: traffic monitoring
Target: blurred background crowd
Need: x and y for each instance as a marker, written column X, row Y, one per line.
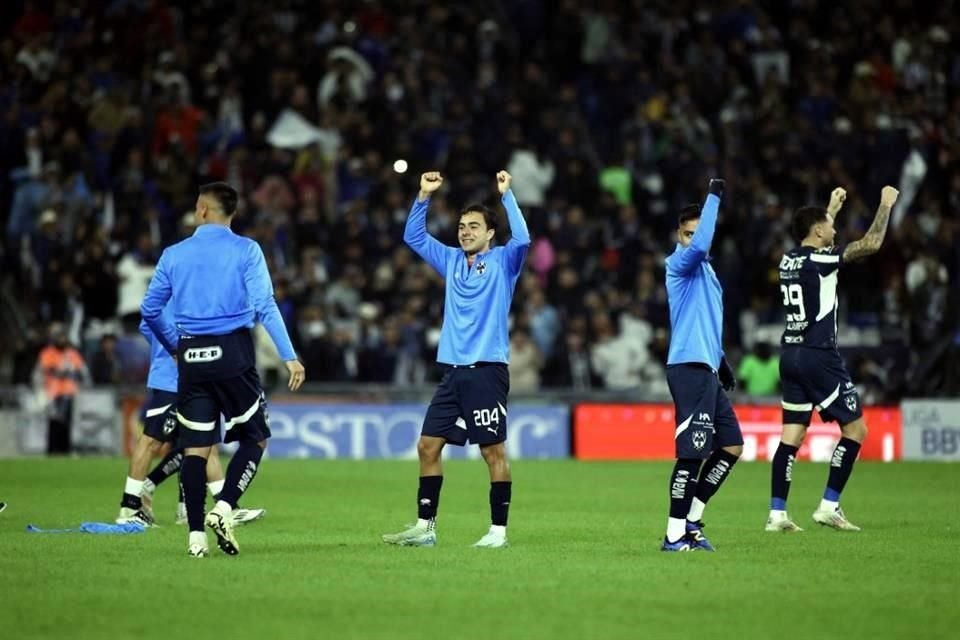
column 610, row 115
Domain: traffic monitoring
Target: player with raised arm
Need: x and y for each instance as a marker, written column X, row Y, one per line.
column 470, row 403
column 812, row 373
column 707, row 428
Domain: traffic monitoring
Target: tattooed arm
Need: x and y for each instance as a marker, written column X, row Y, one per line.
column 871, row 241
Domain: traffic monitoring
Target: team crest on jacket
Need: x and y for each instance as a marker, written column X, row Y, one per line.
column 481, row 267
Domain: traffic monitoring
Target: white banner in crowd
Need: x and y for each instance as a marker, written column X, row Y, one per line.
column 931, row 430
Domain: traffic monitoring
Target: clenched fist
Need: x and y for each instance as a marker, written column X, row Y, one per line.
column 429, row 182
column 888, row 196
column 503, row 181
column 837, row 197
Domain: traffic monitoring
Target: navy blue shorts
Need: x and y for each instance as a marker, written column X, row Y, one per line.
column 817, row 379
column 218, row 377
column 160, row 416
column 470, row 405
column 704, row 416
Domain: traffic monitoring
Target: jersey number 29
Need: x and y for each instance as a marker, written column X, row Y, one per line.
column 793, row 299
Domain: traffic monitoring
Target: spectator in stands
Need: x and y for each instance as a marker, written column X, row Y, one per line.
column 105, row 366
column 60, row 371
column 759, row 371
column 525, row 362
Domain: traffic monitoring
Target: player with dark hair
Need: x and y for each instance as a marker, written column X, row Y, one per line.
column 160, row 427
column 470, row 403
column 812, row 373
column 218, row 286
column 707, row 428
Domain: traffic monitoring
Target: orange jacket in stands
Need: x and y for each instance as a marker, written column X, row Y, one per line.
column 62, row 369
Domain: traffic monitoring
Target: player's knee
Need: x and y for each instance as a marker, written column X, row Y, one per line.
column 494, row 454
column 428, row 450
column 734, row 450
column 856, row 430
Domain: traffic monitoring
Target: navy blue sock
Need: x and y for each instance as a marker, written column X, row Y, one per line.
column 841, row 465
column 500, row 502
column 166, row 467
column 714, row 472
column 240, row 472
column 781, row 475
column 428, row 497
column 193, row 480
column 681, row 494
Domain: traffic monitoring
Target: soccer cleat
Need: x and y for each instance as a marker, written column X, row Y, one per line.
column 783, row 524
column 181, row 513
column 696, row 537
column 246, row 516
column 492, row 540
column 412, row 536
column 223, row 529
column 146, row 504
column 135, row 516
column 683, row 544
column 834, row 519
column 197, row 544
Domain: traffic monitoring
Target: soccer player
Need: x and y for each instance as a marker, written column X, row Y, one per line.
column 218, row 285
column 159, row 427
column 470, row 403
column 707, row 427
column 812, row 373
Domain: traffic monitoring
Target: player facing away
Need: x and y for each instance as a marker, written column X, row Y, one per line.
column 812, row 373
column 470, row 403
column 159, row 427
column 218, row 286
column 707, row 427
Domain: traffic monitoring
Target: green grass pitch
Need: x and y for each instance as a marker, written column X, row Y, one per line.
column 584, row 560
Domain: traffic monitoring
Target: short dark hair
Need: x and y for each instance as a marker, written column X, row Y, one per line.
column 488, row 214
column 804, row 219
column 225, row 195
column 688, row 213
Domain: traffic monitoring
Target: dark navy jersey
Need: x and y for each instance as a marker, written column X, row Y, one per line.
column 808, row 286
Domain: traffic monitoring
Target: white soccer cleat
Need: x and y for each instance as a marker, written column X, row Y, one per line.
column 834, row 519
column 492, row 540
column 134, row 516
column 146, row 503
column 783, row 524
column 222, row 527
column 246, row 516
column 197, row 547
column 181, row 513
column 413, row 536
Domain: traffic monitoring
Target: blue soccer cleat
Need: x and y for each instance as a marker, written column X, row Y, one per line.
column 683, row 544
column 696, row 537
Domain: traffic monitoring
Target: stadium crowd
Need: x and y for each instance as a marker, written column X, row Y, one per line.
column 609, row 115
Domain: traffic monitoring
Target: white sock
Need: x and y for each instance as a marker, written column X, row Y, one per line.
column 696, row 510
column 216, row 487
column 429, row 525
column 149, row 487
column 776, row 514
column 676, row 528
column 498, row 529
column 223, row 508
column 133, row 487
column 829, row 505
column 198, row 537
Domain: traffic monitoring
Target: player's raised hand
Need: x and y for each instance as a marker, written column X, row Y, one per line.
column 503, row 181
column 430, row 182
column 297, row 374
column 888, row 196
column 837, row 197
column 717, row 186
